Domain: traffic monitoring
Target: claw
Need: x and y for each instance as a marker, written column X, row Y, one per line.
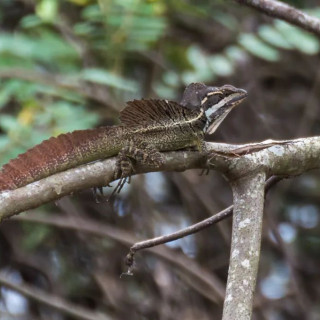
column 119, row 186
column 98, row 194
column 124, row 169
column 204, row 171
column 140, row 152
column 95, row 194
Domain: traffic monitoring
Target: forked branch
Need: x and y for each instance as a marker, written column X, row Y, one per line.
column 150, row 243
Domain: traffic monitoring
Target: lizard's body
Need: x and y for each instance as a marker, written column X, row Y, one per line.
column 148, row 128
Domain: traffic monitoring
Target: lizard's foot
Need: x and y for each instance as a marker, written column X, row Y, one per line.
column 204, row 171
column 124, row 170
column 141, row 153
column 98, row 194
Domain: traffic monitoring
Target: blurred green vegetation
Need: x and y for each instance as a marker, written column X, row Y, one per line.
column 104, row 44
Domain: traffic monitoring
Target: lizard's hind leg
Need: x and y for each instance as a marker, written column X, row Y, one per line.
column 147, row 154
column 140, row 152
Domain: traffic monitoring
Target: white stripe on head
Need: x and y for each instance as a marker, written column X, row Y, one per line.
column 211, row 128
column 220, row 104
column 204, row 100
column 212, row 124
column 214, row 108
column 213, row 93
column 209, row 94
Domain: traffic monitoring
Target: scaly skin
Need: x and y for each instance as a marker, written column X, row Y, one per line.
column 83, row 146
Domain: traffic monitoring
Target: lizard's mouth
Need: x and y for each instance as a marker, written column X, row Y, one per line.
column 217, row 112
column 235, row 98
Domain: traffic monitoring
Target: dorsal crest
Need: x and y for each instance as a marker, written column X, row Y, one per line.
column 142, row 112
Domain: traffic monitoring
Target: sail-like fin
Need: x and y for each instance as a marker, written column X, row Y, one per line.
column 142, row 112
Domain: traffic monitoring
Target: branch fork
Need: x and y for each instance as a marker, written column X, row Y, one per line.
column 245, row 166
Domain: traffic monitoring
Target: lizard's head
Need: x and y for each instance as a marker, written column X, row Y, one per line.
column 216, row 102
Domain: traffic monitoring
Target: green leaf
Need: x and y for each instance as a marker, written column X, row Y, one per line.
column 164, row 91
column 301, row 40
column 60, row 93
column 83, row 28
column 66, row 117
column 19, row 89
column 7, row 89
column 4, row 142
column 201, row 67
column 92, row 13
column 108, row 78
column 8, row 123
column 47, row 46
column 274, row 37
column 171, row 78
column 30, row 21
column 200, row 62
column 257, row 47
column 235, row 53
column 220, row 65
column 47, row 9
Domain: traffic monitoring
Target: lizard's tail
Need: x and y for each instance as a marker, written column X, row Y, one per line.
column 51, row 156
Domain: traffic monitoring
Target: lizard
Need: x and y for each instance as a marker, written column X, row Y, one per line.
column 148, row 127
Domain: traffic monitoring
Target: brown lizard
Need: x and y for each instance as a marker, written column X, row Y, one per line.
column 148, row 128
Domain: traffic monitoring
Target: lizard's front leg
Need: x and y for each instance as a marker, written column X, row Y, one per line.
column 134, row 151
column 200, row 146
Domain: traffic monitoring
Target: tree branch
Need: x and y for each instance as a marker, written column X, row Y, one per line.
column 248, row 199
column 76, row 311
column 285, row 158
column 99, row 173
column 280, row 10
column 201, row 277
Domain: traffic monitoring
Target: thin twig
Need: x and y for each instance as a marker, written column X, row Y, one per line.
column 280, row 10
column 176, row 235
column 76, row 311
column 187, row 231
column 200, row 276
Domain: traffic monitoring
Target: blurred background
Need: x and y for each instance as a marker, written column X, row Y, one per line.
column 72, row 64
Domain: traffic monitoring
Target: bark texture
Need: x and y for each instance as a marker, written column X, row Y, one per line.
column 248, row 199
column 285, row 12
